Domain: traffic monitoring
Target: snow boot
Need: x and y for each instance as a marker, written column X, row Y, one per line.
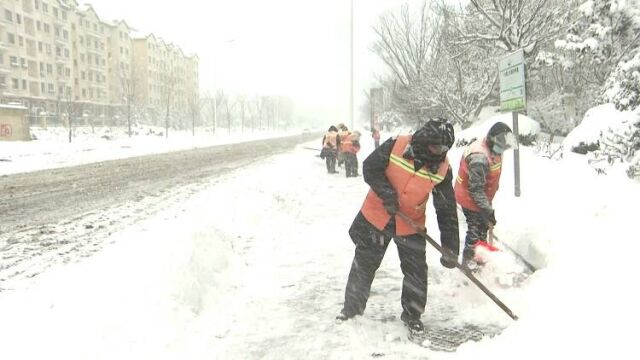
column 345, row 315
column 415, row 326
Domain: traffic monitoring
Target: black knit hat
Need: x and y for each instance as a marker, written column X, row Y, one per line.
column 437, row 131
column 498, row 128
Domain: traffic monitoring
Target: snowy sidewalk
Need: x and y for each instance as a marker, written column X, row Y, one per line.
column 255, row 268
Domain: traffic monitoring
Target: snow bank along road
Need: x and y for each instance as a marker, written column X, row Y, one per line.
column 61, row 214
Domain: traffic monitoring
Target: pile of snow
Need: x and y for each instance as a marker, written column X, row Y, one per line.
column 595, row 123
column 526, row 126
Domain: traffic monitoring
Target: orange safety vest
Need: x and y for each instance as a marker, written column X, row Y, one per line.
column 330, row 140
column 343, row 135
column 463, row 197
column 413, row 189
column 348, row 146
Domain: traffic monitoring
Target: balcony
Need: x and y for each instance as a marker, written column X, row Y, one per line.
column 93, row 50
column 61, row 41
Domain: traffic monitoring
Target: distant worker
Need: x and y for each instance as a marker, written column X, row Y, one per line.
column 375, row 134
column 350, row 147
column 343, row 132
column 330, row 149
column 476, row 185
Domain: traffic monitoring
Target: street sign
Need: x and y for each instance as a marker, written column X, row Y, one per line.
column 377, row 106
column 512, row 82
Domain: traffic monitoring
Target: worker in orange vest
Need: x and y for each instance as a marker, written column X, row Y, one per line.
column 343, row 132
column 401, row 174
column 476, row 185
column 329, row 150
column 350, row 146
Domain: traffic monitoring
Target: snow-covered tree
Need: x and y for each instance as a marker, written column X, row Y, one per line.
column 623, row 85
column 431, row 74
column 605, row 33
column 512, row 24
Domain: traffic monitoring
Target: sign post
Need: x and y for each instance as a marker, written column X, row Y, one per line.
column 513, row 98
column 376, row 100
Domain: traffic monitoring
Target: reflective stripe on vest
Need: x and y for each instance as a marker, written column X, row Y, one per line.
column 412, row 187
column 463, row 197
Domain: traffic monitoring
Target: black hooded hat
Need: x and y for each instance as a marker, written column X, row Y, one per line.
column 437, row 131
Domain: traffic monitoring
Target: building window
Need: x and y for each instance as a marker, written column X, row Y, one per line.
column 55, row 12
column 8, row 15
column 18, row 19
column 11, row 38
column 65, row 34
column 39, row 25
column 42, row 87
column 15, row 83
column 49, row 69
column 47, row 29
column 20, row 41
column 51, row 89
column 45, row 7
column 24, row 84
column 40, row 46
column 82, row 75
column 66, row 53
column 64, row 15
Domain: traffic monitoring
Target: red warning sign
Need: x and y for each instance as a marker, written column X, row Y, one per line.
column 5, row 130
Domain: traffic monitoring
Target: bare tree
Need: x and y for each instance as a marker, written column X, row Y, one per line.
column 512, row 24
column 405, row 44
column 128, row 84
column 73, row 110
column 432, row 75
column 169, row 85
column 229, row 107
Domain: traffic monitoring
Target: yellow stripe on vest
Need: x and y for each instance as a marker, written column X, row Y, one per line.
column 495, row 166
column 405, row 165
column 459, row 179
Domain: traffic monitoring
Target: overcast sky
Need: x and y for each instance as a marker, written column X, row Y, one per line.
column 298, row 48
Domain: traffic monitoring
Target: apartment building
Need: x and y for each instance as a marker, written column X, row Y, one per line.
column 165, row 77
column 60, row 59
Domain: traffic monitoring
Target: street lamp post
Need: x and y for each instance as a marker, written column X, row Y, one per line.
column 351, row 74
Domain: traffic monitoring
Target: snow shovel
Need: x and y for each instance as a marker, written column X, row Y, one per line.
column 516, row 254
column 465, row 270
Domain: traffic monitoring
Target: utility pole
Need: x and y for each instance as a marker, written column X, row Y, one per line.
column 351, row 74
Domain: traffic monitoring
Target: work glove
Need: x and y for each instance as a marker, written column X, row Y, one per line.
column 390, row 204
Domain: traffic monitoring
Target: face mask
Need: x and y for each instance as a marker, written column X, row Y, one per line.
column 502, row 142
column 497, row 149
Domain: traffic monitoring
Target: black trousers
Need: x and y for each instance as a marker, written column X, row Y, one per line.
column 371, row 246
column 476, row 230
column 350, row 164
column 330, row 158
